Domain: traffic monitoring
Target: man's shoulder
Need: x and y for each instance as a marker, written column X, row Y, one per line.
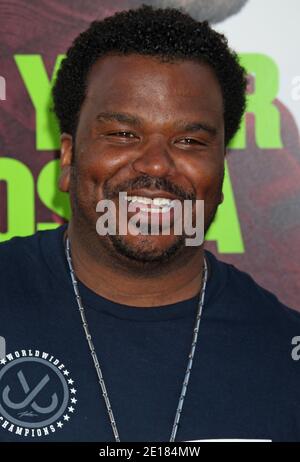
column 25, row 253
column 16, row 243
column 30, row 270
column 19, row 247
column 248, row 295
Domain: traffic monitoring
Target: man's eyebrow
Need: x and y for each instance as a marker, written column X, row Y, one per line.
column 118, row 117
column 195, row 127
column 136, row 121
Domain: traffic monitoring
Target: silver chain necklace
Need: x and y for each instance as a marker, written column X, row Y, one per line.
column 94, row 355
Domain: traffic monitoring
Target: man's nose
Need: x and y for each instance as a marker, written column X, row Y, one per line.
column 154, row 159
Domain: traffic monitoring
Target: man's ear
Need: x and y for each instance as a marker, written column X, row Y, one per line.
column 66, row 144
column 222, row 194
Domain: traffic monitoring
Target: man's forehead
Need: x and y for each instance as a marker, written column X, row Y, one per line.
column 141, row 79
column 135, row 64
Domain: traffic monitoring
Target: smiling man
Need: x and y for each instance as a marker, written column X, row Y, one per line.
column 138, row 336
column 155, row 131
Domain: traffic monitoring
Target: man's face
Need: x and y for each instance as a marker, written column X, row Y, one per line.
column 152, row 130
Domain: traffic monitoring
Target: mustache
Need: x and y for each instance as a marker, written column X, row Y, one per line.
column 145, row 181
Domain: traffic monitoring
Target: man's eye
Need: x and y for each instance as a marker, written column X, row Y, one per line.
column 190, row 141
column 122, row 134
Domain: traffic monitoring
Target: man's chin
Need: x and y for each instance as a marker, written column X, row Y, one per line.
column 147, row 249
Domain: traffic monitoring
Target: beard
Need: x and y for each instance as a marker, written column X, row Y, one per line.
column 146, row 251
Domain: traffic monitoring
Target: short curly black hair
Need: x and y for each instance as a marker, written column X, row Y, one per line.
column 169, row 34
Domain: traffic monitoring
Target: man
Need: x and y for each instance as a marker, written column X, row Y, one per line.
column 135, row 336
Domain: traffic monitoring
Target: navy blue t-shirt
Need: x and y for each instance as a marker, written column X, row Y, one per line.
column 244, row 384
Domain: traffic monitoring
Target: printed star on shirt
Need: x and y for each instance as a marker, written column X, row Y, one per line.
column 59, row 424
column 70, row 381
column 66, row 417
column 3, row 361
column 71, row 409
column 73, row 391
column 66, row 372
column 73, row 400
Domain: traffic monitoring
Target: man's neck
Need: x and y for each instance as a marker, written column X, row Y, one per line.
column 109, row 279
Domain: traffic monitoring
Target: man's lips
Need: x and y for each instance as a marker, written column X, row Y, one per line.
column 152, row 206
column 152, row 194
column 148, row 208
column 150, row 202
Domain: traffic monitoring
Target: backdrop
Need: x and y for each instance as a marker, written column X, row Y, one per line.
column 258, row 226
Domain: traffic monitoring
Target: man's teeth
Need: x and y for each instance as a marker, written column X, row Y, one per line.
column 157, row 201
